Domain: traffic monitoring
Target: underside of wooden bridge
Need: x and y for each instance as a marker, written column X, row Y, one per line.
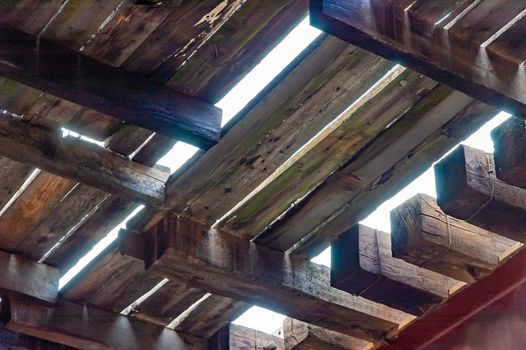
column 136, row 214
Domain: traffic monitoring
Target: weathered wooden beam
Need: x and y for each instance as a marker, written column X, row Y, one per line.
column 443, row 48
column 22, row 276
column 67, row 74
column 226, row 265
column 468, row 189
column 303, row 336
column 362, row 264
column 88, row 328
column 510, row 151
column 13, row 340
column 82, row 161
column 422, row 234
column 384, row 166
column 235, row 337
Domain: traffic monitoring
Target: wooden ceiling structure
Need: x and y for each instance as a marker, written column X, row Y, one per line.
column 335, row 134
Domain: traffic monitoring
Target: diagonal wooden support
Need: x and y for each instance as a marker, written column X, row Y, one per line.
column 180, row 248
column 510, row 151
column 81, row 161
column 462, row 43
column 362, row 264
column 303, row 336
column 89, row 83
column 468, row 189
column 422, row 234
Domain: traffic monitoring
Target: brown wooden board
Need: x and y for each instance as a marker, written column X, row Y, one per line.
column 238, row 337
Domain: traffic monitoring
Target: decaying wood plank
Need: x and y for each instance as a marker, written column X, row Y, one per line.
column 182, row 249
column 30, row 16
column 422, row 234
column 510, row 151
column 82, row 80
column 235, row 337
column 468, row 189
column 399, row 94
column 81, row 161
column 13, row 175
column 93, row 328
column 452, row 53
column 318, row 88
column 23, row 276
column 362, row 264
column 379, row 170
column 209, row 316
column 303, row 336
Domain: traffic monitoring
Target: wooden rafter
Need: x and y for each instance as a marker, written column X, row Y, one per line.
column 464, row 46
column 187, row 250
column 67, row 74
column 81, row 161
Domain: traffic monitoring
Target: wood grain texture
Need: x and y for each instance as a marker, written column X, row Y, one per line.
column 303, row 336
column 422, row 234
column 23, row 276
column 82, row 161
column 362, row 264
column 93, row 328
column 82, row 80
column 452, row 54
column 379, row 170
column 234, row 336
column 264, row 277
column 468, row 189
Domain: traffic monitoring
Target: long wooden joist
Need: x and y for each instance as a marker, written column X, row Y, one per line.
column 469, row 45
column 227, row 265
column 67, row 74
column 82, row 161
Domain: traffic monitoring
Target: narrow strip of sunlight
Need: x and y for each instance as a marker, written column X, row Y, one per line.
column 261, row 319
column 425, row 183
column 281, row 56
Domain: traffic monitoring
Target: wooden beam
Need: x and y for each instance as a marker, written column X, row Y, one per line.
column 235, row 337
column 303, row 336
column 510, row 151
column 468, row 189
column 13, row 340
column 504, row 280
column 86, row 327
column 362, row 264
column 456, row 49
column 89, row 83
column 82, row 161
column 22, row 276
column 422, row 234
column 223, row 264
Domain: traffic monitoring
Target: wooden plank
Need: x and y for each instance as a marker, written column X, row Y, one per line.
column 13, row 175
column 79, row 79
column 23, row 276
column 382, row 168
column 362, row 264
column 209, row 316
column 507, row 278
column 384, row 29
column 422, row 234
column 258, row 275
column 398, row 95
column 93, row 328
column 224, row 58
column 9, row 340
column 510, row 159
column 30, row 16
column 236, row 337
column 318, row 87
column 303, row 336
column 82, row 161
column 468, row 190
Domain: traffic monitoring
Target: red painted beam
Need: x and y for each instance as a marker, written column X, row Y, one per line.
column 463, row 306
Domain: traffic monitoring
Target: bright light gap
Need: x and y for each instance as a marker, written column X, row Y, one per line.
column 133, row 306
column 504, row 29
column 180, row 318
